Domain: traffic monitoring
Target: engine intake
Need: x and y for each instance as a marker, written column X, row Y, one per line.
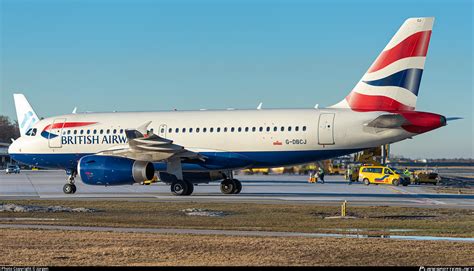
column 112, row 170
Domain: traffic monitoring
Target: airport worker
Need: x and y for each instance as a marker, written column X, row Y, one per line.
column 321, row 174
column 349, row 174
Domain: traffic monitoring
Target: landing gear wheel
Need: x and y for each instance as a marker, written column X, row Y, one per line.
column 396, row 182
column 366, row 181
column 69, row 188
column 179, row 187
column 228, row 186
column 238, row 186
column 190, row 189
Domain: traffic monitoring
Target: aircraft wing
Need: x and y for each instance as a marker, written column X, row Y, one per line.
column 150, row 147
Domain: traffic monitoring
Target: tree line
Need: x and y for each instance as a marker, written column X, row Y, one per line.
column 8, row 129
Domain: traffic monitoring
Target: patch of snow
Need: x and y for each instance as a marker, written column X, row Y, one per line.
column 203, row 212
column 15, row 208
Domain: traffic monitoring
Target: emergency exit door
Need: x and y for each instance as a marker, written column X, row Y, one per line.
column 162, row 130
column 55, row 131
column 326, row 129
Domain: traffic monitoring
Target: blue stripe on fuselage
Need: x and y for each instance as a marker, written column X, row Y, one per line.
column 214, row 160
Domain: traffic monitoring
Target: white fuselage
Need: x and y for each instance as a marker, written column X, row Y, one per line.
column 276, row 132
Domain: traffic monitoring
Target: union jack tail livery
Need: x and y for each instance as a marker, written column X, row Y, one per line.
column 392, row 82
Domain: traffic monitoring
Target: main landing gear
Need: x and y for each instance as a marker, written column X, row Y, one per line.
column 70, row 187
column 231, row 186
column 182, row 188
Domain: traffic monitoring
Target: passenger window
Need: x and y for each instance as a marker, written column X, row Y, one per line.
column 184, row 130
column 232, row 129
column 68, row 132
column 108, row 131
column 101, row 131
column 246, row 129
column 240, row 129
column 95, row 131
column 282, row 129
column 211, row 129
column 365, row 170
column 225, row 129
column 275, row 129
column 254, row 129
column 121, row 131
column 115, row 131
column 377, row 170
column 268, row 129
column 75, row 132
column 190, row 130
column 304, row 128
column 218, row 129
column 82, row 131
column 297, row 128
column 289, row 128
column 204, row 129
column 260, row 129
column 197, row 130
column 388, row 171
column 176, row 130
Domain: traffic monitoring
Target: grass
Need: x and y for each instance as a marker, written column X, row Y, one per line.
column 49, row 248
column 253, row 216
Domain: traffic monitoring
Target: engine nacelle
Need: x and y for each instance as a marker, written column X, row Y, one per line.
column 112, row 170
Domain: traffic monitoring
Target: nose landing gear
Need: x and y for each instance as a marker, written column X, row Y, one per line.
column 70, row 187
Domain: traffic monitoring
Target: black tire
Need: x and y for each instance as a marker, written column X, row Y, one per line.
column 190, row 189
column 69, row 188
column 228, row 186
column 238, row 186
column 366, row 181
column 396, row 182
column 74, row 188
column 179, row 187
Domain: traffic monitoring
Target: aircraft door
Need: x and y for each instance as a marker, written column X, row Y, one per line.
column 326, row 129
column 55, row 133
column 162, row 130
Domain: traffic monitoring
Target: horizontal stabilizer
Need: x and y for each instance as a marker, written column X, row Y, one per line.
column 388, row 121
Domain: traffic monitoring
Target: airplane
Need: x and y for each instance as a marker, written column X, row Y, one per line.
column 186, row 148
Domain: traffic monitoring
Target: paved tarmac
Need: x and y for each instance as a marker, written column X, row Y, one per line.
column 256, row 188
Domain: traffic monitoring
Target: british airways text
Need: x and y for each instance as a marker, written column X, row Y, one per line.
column 93, row 139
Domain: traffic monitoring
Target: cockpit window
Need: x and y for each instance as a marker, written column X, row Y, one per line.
column 28, row 132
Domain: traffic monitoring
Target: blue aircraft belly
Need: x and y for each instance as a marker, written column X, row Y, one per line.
column 213, row 161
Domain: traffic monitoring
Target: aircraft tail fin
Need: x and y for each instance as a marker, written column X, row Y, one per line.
column 393, row 80
column 25, row 114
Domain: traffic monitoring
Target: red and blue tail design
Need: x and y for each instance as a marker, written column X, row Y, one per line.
column 393, row 80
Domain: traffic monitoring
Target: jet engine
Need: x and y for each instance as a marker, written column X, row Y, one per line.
column 112, row 170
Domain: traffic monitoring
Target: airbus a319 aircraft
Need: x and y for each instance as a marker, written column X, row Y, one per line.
column 191, row 147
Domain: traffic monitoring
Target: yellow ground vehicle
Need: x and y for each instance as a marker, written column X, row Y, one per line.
column 381, row 175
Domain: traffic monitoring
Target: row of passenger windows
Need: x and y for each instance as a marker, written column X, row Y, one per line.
column 32, row 132
column 94, row 132
column 233, row 129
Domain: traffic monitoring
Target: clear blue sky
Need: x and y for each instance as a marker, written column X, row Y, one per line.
column 160, row 55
